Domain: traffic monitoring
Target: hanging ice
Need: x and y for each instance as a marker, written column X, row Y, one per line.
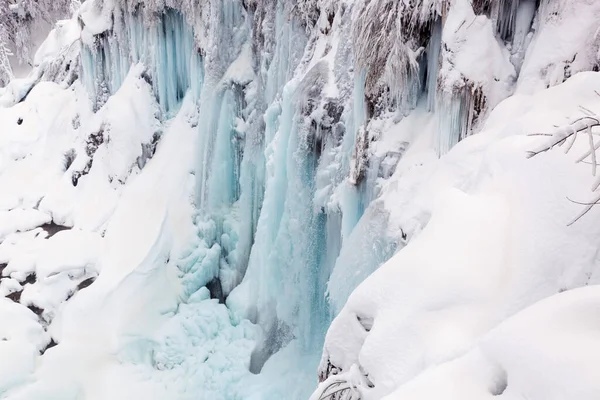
column 167, row 47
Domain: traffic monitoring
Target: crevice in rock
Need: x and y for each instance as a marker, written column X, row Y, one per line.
column 48, row 346
column 36, row 310
column 15, row 296
column 216, row 290
column 52, row 228
column 30, row 279
column 85, row 283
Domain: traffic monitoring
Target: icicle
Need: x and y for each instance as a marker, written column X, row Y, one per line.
column 454, row 113
column 282, row 65
column 523, row 22
column 167, row 48
column 433, row 63
column 223, row 179
column 174, row 59
column 350, row 199
column 504, row 13
column 88, row 73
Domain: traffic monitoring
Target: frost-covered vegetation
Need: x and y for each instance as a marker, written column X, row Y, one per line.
column 198, row 198
column 20, row 20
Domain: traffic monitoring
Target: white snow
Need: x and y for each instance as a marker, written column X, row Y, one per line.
column 62, row 39
column 8, row 286
column 497, row 241
column 565, row 42
column 69, row 250
column 548, row 351
column 96, row 18
column 237, row 159
column 473, row 55
column 19, row 220
column 240, row 70
column 21, row 337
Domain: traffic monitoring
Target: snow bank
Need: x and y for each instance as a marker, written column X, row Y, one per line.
column 497, row 241
column 50, row 269
column 69, row 250
column 21, row 338
column 473, row 55
column 548, row 351
column 565, row 41
column 112, row 145
column 38, row 133
column 19, row 220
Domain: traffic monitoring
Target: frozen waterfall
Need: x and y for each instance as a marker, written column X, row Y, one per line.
column 278, row 132
column 212, row 185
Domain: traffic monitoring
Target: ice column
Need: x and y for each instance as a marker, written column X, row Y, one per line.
column 166, row 47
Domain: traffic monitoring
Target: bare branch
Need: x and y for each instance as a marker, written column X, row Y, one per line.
column 593, row 152
column 583, row 203
column 588, row 207
column 587, row 111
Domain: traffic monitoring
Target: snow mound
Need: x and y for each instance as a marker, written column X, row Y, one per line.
column 557, row 50
column 469, row 37
column 21, row 339
column 19, row 220
column 67, row 250
column 548, row 351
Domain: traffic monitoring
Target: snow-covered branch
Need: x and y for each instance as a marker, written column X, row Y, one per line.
column 389, row 36
column 565, row 137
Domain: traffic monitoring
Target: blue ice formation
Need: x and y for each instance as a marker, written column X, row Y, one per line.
column 167, row 47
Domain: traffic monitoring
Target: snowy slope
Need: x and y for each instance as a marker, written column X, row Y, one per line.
column 560, row 334
column 498, row 240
